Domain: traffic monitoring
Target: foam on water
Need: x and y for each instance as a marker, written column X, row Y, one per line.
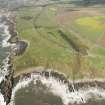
column 60, row 89
column 4, row 70
column 2, row 100
column 5, row 42
column 6, row 33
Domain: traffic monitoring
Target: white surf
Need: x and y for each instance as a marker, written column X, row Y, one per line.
column 60, row 89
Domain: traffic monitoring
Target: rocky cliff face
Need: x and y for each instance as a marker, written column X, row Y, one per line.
column 7, row 84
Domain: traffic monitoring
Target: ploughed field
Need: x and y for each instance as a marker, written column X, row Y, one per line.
column 70, row 40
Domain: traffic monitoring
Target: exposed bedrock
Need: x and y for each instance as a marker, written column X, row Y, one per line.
column 20, row 47
column 7, row 84
column 72, row 85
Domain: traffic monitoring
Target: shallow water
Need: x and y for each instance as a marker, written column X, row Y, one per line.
column 39, row 90
column 36, row 95
column 3, row 53
column 5, row 47
column 40, row 95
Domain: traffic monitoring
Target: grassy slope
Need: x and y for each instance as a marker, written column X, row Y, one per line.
column 90, row 27
column 47, row 48
column 41, row 50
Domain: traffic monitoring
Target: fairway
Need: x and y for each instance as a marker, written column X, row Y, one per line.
column 69, row 46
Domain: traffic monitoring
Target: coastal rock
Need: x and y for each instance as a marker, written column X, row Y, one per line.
column 72, row 86
column 20, row 48
column 7, row 84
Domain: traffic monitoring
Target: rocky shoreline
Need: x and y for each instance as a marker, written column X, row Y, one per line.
column 72, row 85
column 7, row 84
column 20, row 46
column 75, row 85
column 17, row 48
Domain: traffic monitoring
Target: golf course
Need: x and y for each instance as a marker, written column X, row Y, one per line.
column 62, row 37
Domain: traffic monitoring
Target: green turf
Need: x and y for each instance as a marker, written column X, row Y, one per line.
column 90, row 27
column 46, row 47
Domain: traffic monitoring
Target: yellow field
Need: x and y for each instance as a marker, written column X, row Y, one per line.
column 91, row 22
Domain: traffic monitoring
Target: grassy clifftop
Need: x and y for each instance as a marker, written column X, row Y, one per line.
column 52, row 44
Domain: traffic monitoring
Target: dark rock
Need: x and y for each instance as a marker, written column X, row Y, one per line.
column 72, row 86
column 20, row 47
column 6, row 87
column 46, row 74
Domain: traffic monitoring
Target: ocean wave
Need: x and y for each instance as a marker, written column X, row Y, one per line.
column 60, row 89
column 2, row 102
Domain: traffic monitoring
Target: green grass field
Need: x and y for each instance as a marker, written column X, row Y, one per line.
column 41, row 51
column 47, row 48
